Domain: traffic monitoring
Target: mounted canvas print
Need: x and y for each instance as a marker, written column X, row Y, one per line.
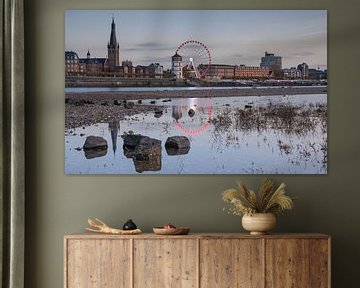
column 195, row 92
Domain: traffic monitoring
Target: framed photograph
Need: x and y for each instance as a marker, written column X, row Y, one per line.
column 195, row 91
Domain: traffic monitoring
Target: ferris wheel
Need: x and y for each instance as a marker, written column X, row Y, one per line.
column 195, row 59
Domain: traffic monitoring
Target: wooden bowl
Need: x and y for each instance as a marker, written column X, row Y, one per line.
column 171, row 231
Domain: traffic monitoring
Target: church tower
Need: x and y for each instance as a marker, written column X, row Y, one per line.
column 113, row 49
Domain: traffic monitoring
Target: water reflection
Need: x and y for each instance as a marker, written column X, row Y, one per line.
column 114, row 128
column 192, row 115
column 176, row 112
column 173, row 151
column 95, row 153
column 150, row 164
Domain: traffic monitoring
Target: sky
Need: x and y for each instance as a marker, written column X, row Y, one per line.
column 232, row 36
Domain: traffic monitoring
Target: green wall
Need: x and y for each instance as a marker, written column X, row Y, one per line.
column 57, row 204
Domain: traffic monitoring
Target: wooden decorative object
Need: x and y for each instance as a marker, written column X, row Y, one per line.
column 197, row 261
column 171, row 231
column 101, row 227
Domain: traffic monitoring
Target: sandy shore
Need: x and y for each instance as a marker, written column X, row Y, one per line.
column 135, row 95
column 85, row 113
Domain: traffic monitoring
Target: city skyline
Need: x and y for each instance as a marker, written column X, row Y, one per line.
column 147, row 36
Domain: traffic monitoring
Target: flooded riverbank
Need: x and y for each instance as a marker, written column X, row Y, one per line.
column 227, row 135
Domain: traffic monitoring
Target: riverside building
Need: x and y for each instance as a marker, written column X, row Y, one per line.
column 222, row 71
column 299, row 72
column 109, row 66
column 274, row 63
column 176, row 66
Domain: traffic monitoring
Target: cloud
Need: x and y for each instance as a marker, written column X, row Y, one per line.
column 149, row 46
column 246, row 57
column 151, row 59
column 301, row 54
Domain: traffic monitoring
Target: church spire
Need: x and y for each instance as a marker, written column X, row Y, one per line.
column 113, row 41
column 113, row 49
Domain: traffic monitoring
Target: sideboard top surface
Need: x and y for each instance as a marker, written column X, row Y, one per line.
column 87, row 235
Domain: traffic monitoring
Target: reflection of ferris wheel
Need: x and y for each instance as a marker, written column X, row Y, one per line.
column 196, row 59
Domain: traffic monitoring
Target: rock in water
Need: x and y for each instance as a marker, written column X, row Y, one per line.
column 129, row 105
column 147, row 149
column 158, row 113
column 191, row 112
column 177, row 142
column 145, row 152
column 117, row 103
column 132, row 140
column 80, row 103
column 95, row 142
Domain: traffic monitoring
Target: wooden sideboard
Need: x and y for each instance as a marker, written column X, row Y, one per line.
column 197, row 260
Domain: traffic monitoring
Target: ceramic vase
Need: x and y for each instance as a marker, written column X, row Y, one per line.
column 259, row 223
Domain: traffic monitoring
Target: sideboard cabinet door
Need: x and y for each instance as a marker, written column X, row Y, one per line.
column 165, row 263
column 320, row 263
column 297, row 263
column 98, row 263
column 231, row 263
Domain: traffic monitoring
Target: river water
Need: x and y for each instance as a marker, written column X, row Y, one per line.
column 130, row 89
column 232, row 135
